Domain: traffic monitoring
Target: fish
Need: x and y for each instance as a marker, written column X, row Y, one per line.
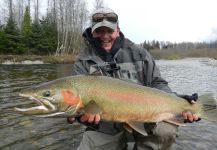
column 114, row 100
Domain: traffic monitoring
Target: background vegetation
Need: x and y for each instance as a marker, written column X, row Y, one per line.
column 168, row 50
column 58, row 30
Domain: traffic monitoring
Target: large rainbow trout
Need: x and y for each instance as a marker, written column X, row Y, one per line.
column 114, row 99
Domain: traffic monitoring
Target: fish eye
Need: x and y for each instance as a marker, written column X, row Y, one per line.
column 46, row 94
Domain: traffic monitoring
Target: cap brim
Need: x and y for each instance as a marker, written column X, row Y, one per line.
column 105, row 23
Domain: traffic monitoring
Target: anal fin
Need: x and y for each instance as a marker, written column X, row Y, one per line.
column 128, row 127
column 138, row 126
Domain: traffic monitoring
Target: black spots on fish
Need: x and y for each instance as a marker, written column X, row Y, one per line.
column 46, row 94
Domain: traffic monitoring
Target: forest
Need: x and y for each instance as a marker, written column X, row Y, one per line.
column 26, row 29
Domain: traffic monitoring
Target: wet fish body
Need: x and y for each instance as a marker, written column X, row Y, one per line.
column 114, row 99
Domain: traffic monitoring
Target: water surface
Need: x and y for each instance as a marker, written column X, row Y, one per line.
column 193, row 76
column 26, row 132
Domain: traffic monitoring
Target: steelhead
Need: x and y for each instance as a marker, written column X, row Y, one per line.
column 114, row 99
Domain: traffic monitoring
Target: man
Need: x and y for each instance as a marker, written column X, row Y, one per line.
column 107, row 51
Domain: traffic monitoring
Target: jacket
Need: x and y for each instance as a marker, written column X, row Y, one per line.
column 128, row 62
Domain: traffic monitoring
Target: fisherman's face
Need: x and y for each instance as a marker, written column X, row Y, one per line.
column 107, row 36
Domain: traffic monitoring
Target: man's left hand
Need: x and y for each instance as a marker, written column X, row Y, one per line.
column 190, row 117
column 187, row 115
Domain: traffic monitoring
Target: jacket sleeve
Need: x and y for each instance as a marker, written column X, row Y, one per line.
column 78, row 68
column 156, row 81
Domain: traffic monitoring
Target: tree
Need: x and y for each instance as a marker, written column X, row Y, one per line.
column 71, row 21
column 12, row 41
column 26, row 27
column 36, row 10
column 35, row 38
column 10, row 9
column 26, row 24
column 99, row 4
column 2, row 39
column 60, row 30
column 48, row 42
column 19, row 15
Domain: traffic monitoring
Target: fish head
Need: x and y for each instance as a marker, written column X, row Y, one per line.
column 55, row 98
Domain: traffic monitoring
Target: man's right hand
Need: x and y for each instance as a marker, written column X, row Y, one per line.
column 90, row 118
column 85, row 119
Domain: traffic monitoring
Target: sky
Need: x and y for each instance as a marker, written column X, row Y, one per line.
column 166, row 20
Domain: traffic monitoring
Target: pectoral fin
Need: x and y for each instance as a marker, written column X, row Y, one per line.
column 139, row 127
column 92, row 108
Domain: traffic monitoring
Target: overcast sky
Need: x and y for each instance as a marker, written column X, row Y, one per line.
column 166, row 20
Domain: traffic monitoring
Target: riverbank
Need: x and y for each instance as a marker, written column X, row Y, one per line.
column 174, row 54
column 37, row 59
column 166, row 54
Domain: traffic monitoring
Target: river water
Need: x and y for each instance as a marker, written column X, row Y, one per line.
column 19, row 132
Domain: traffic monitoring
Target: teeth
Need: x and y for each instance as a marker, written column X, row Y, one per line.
column 31, row 109
column 105, row 41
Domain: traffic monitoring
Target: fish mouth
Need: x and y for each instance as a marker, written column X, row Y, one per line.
column 44, row 106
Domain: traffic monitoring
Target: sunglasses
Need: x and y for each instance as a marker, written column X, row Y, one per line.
column 98, row 17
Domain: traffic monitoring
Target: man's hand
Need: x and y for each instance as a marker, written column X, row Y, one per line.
column 91, row 121
column 187, row 115
column 90, row 118
column 190, row 117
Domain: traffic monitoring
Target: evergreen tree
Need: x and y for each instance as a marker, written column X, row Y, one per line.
column 26, row 28
column 35, row 38
column 43, row 38
column 49, row 32
column 12, row 38
column 2, row 38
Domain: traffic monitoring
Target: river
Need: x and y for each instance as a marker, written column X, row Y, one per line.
column 19, row 132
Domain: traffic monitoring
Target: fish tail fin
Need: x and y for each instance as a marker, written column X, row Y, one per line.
column 209, row 107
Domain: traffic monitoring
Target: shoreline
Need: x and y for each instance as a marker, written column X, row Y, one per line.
column 36, row 59
column 69, row 58
column 173, row 54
